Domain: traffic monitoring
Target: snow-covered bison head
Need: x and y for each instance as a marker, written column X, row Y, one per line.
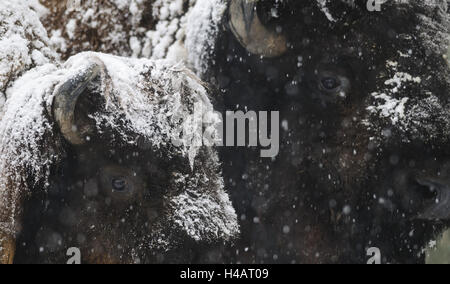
column 87, row 161
column 364, row 99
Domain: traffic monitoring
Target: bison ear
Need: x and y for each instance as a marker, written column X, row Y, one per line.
column 74, row 100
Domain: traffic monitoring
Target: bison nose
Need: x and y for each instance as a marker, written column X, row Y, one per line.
column 435, row 198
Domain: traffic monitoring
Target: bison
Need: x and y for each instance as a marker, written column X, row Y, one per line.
column 364, row 100
column 88, row 160
column 363, row 96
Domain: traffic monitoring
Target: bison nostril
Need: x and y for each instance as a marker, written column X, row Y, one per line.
column 426, row 190
column 435, row 198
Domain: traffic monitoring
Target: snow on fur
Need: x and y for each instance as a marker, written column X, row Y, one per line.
column 115, row 27
column 28, row 147
column 407, row 100
column 202, row 31
column 407, row 96
column 151, row 29
column 23, row 43
column 177, row 30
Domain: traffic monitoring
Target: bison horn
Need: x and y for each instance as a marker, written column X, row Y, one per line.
column 65, row 101
column 7, row 249
column 251, row 32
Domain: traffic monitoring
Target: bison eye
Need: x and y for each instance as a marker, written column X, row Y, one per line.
column 330, row 83
column 119, row 184
column 333, row 82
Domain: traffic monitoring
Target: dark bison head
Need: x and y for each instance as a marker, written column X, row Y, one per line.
column 364, row 98
column 88, row 162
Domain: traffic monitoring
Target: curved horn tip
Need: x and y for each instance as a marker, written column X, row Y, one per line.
column 65, row 101
column 251, row 32
column 7, row 249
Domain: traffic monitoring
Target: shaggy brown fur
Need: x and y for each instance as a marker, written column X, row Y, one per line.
column 96, row 25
